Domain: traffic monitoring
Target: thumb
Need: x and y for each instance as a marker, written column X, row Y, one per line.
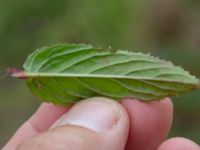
column 92, row 124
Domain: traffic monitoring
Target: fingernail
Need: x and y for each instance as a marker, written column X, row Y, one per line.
column 97, row 114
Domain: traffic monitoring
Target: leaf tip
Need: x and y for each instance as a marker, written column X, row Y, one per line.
column 14, row 72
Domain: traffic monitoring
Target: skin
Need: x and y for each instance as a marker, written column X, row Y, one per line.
column 100, row 124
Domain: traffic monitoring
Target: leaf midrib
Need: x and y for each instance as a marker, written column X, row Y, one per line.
column 36, row 75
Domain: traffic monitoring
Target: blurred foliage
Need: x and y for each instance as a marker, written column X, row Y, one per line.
column 167, row 28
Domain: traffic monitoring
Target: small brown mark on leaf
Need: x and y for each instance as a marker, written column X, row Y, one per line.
column 38, row 84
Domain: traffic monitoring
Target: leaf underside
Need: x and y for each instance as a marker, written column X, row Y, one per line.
column 67, row 73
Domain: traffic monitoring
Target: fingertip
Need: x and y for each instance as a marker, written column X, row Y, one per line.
column 102, row 115
column 179, row 143
column 146, row 119
column 105, row 117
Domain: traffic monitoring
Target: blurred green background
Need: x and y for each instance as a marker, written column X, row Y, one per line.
column 166, row 28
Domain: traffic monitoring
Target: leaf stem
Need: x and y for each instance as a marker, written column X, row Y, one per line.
column 14, row 72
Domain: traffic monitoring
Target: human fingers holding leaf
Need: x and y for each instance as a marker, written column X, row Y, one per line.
column 66, row 73
column 100, row 124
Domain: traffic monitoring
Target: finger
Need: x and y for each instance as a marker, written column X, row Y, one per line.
column 46, row 115
column 179, row 143
column 149, row 123
column 93, row 124
column 43, row 118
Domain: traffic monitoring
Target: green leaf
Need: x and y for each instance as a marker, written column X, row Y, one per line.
column 67, row 73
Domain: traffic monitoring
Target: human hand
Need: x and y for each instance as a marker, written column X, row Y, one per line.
column 100, row 124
